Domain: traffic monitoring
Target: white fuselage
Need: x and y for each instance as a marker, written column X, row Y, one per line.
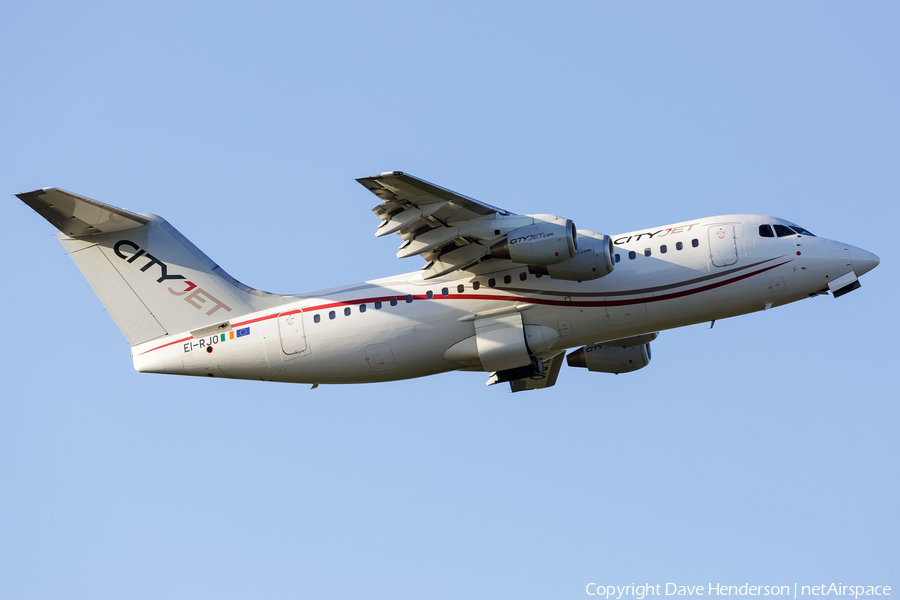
column 402, row 327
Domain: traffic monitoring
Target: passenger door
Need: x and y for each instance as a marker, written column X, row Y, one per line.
column 722, row 245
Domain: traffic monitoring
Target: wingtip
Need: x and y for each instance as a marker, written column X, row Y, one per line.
column 37, row 192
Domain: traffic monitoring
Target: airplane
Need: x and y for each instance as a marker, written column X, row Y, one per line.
column 501, row 293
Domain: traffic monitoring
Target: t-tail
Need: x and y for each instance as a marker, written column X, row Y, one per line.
column 152, row 280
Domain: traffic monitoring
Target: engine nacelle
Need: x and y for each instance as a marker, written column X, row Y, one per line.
column 544, row 243
column 593, row 260
column 610, row 359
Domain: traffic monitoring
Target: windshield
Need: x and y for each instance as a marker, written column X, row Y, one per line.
column 783, row 231
column 801, row 231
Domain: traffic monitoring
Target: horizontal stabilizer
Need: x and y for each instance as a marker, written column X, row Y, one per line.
column 78, row 216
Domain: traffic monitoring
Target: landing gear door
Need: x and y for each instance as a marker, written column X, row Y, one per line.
column 722, row 245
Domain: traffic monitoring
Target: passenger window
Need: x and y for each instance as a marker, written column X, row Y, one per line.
column 766, row 231
column 347, row 312
column 378, row 305
column 523, row 276
column 632, row 255
column 460, row 288
column 362, row 308
column 331, row 314
column 393, row 302
column 317, row 318
column 679, row 246
column 429, row 294
column 663, row 249
column 445, row 292
column 408, row 298
column 695, row 242
column 646, row 251
column 475, row 285
column 507, row 279
column 492, row 282
column 782, row 231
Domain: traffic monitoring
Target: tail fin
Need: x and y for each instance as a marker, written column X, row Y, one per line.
column 153, row 281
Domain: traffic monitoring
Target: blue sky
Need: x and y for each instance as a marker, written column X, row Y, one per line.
column 764, row 450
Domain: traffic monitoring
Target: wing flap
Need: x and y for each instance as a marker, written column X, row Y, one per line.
column 547, row 379
column 407, row 218
column 434, row 222
column 455, row 260
column 638, row 340
column 429, row 241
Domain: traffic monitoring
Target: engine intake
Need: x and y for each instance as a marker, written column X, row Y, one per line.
column 593, row 260
column 610, row 359
column 546, row 243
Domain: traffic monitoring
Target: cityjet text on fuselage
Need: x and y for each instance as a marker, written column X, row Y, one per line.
column 650, row 235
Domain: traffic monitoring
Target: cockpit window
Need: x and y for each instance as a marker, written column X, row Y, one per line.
column 801, row 231
column 766, row 231
column 782, row 231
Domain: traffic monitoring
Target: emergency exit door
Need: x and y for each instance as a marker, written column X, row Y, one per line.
column 290, row 328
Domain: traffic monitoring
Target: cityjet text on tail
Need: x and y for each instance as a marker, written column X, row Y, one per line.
column 510, row 295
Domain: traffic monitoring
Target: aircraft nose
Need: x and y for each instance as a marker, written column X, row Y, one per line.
column 863, row 261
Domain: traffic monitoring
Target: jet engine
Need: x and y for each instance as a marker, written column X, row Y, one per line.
column 544, row 243
column 593, row 260
column 610, row 359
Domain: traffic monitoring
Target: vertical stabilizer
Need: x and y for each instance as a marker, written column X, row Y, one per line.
column 153, row 281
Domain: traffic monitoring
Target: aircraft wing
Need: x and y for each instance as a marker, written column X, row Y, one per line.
column 445, row 228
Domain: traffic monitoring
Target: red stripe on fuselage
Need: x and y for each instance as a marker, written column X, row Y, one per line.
column 499, row 298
